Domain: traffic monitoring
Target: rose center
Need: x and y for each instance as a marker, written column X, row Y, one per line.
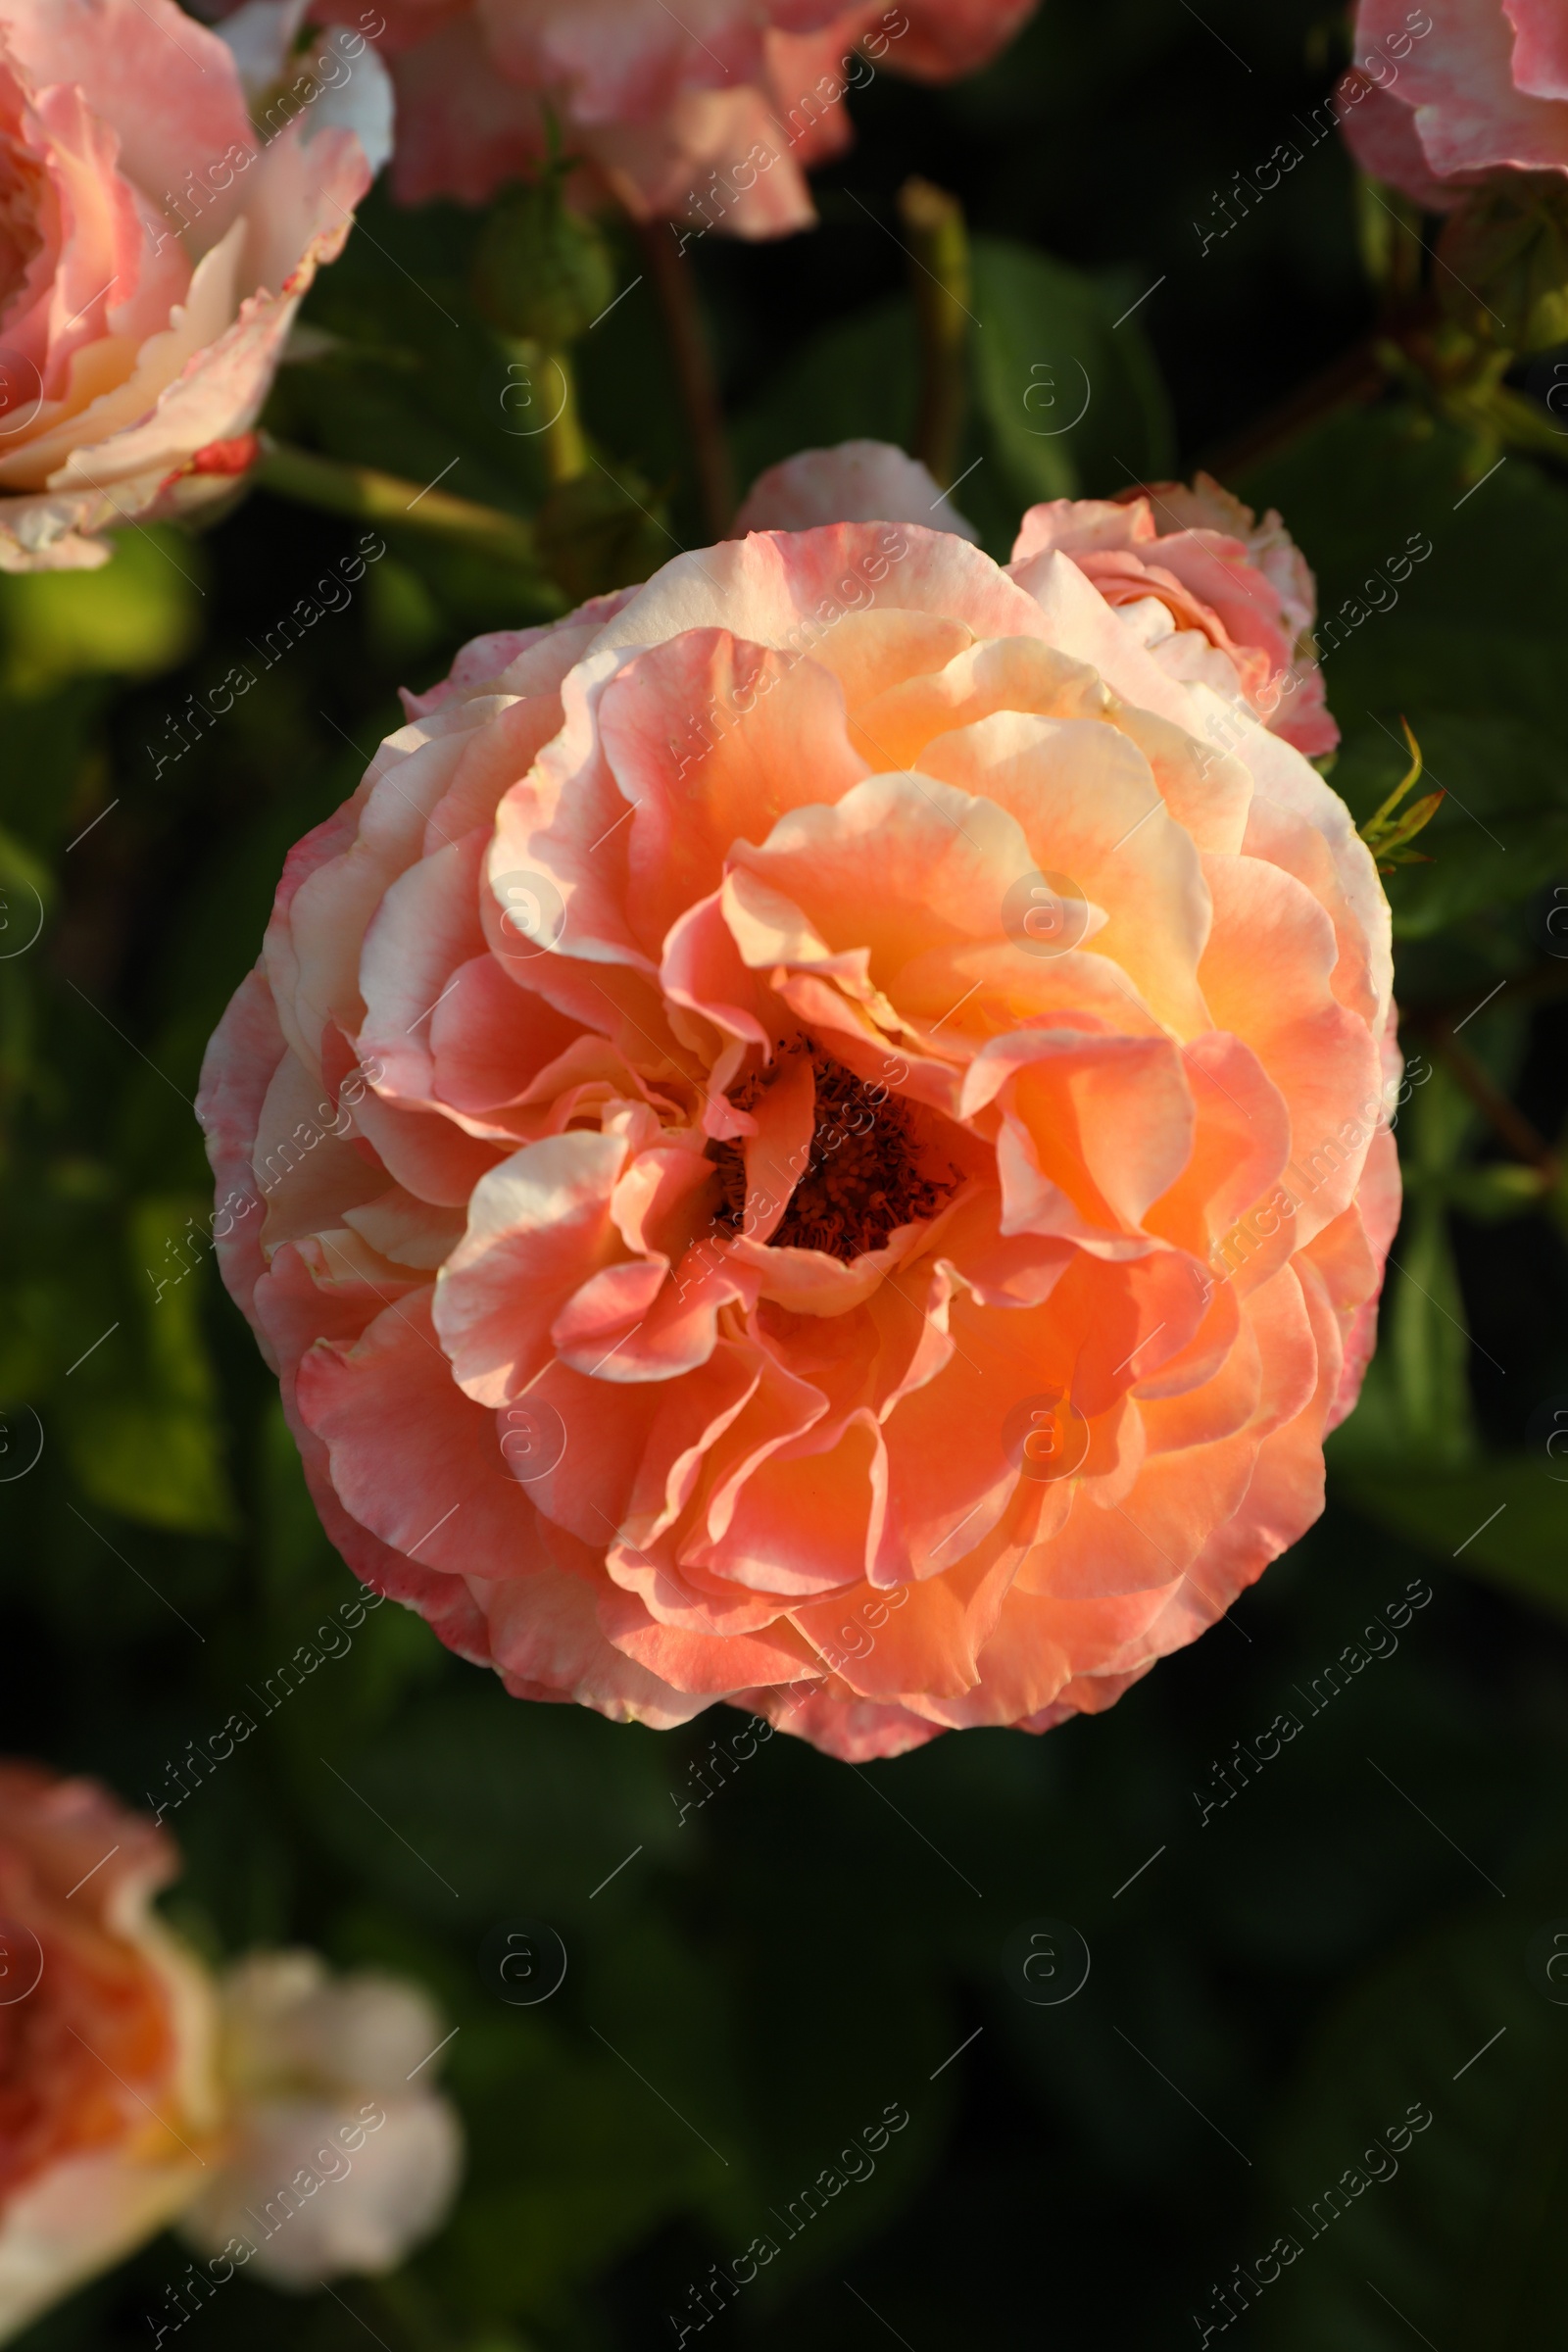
column 864, row 1174
column 19, row 234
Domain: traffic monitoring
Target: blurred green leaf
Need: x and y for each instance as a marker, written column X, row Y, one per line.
column 1464, row 641
column 135, row 617
column 1458, row 2236
column 1506, row 1521
column 1064, row 401
column 855, row 380
column 1415, row 1402
column 517, row 1806
column 1068, row 388
column 152, row 1445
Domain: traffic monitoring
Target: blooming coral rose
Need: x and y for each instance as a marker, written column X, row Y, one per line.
column 154, row 248
column 709, row 113
column 1484, row 88
column 108, row 2097
column 812, row 1136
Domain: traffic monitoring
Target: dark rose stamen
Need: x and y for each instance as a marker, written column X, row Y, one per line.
column 863, row 1177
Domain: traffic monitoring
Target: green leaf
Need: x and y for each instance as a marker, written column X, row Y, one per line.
column 1467, row 645
column 1063, row 401
column 1500, row 832
column 1458, row 2233
column 1415, row 1403
column 855, row 380
column 515, row 1806
column 1506, row 1521
column 135, row 618
column 150, row 1443
column 1071, row 401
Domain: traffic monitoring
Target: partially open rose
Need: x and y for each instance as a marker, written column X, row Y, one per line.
column 709, row 111
column 109, row 2102
column 1213, row 593
column 1486, row 91
column 812, row 1136
column 154, row 248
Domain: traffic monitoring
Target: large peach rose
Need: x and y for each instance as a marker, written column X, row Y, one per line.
column 154, row 248
column 709, row 112
column 108, row 2103
column 812, row 1136
column 1484, row 87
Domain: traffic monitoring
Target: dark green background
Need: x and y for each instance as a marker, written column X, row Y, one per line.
column 811, row 1945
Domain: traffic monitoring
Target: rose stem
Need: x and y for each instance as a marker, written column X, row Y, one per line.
column 694, row 373
column 566, row 447
column 939, row 249
column 1508, row 1121
column 375, row 497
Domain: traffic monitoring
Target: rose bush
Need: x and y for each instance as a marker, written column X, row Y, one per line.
column 108, row 2100
column 709, row 111
column 812, row 1135
column 154, row 248
column 1488, row 90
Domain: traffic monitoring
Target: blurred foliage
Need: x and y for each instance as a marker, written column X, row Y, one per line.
column 751, row 1985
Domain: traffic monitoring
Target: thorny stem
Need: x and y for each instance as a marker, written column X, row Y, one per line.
column 939, row 280
column 554, row 380
column 371, row 496
column 693, row 361
column 1507, row 1120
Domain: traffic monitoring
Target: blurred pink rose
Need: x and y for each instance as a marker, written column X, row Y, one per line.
column 154, row 247
column 812, row 1136
column 342, row 2155
column 1213, row 592
column 109, row 2105
column 858, row 481
column 709, row 113
column 138, row 2089
column 1485, row 88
